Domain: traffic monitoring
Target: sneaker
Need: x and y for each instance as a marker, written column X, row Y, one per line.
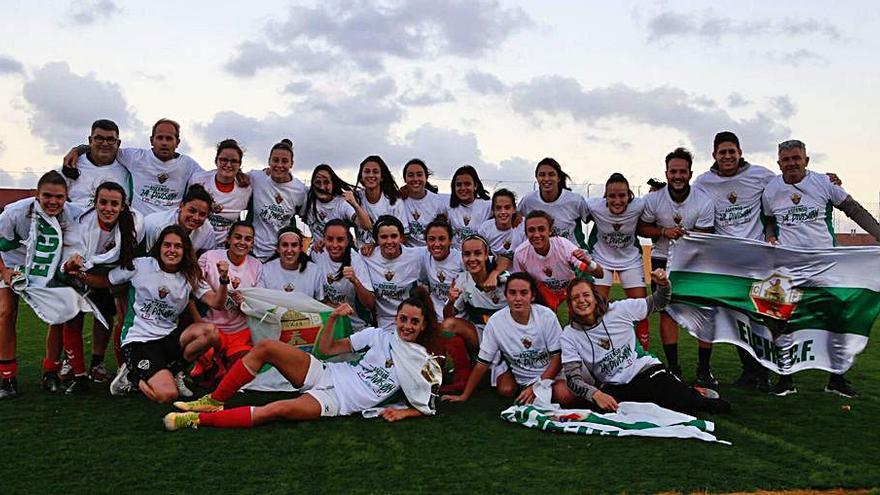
column 182, row 389
column 176, row 421
column 785, row 386
column 763, row 381
column 120, row 385
column 79, row 385
column 51, row 382
column 66, row 374
column 8, row 388
column 707, row 393
column 205, row 404
column 705, row 379
column 840, row 386
column 98, row 373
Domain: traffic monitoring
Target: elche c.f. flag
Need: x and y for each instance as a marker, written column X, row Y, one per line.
column 791, row 308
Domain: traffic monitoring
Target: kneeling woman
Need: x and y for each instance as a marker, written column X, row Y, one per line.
column 527, row 336
column 604, row 363
column 329, row 389
column 155, row 347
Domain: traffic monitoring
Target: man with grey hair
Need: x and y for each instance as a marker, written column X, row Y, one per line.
column 798, row 201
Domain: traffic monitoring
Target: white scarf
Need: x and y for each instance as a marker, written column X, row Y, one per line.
column 419, row 373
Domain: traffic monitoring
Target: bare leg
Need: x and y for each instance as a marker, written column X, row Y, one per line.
column 506, row 385
column 302, row 408
column 603, row 291
column 464, row 329
column 196, row 339
column 160, row 388
column 100, row 338
column 562, row 395
column 642, row 329
column 8, row 314
column 291, row 362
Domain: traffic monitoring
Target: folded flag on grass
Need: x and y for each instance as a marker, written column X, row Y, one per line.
column 791, row 308
column 632, row 419
column 291, row 317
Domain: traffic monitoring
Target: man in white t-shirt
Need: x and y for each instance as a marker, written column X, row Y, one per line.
column 96, row 166
column 669, row 214
column 799, row 202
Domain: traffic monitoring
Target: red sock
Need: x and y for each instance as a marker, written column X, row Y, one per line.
column 240, row 417
column 50, row 365
column 73, row 349
column 8, row 369
column 643, row 333
column 235, row 378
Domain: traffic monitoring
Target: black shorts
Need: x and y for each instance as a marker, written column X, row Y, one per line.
column 105, row 301
column 145, row 359
column 655, row 264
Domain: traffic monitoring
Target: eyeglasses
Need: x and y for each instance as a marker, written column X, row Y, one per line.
column 228, row 161
column 792, row 143
column 104, row 139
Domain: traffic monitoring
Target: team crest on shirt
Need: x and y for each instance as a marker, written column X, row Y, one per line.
column 389, row 275
column 526, row 342
column 796, row 198
column 548, row 271
column 110, row 245
column 217, row 208
column 616, row 226
column 507, row 244
column 163, row 291
column 389, row 363
column 495, row 297
column 235, row 282
column 278, row 198
column 322, row 215
column 333, row 277
column 467, row 219
column 288, row 287
column 677, row 218
column 604, row 344
column 162, row 177
column 732, row 197
column 416, row 214
column 441, row 276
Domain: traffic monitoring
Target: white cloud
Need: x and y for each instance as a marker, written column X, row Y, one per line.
column 62, row 106
column 668, row 25
column 484, row 83
column 361, row 34
column 783, row 106
column 737, row 100
column 426, row 91
column 798, row 58
column 9, row 65
column 698, row 117
column 88, row 12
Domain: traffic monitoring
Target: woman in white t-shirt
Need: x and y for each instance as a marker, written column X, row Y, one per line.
column 505, row 231
column 277, row 197
column 421, row 203
column 614, row 244
column 343, row 274
column 469, row 204
column 526, row 337
column 230, row 189
column 330, row 198
column 441, row 264
column 292, row 269
column 553, row 195
column 332, row 389
column 551, row 260
column 604, row 363
column 191, row 216
column 394, row 268
column 380, row 195
column 156, row 349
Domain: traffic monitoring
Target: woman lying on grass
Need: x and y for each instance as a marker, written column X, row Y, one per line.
column 395, row 360
column 605, row 364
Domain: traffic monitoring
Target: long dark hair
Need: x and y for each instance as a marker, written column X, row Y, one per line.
column 125, row 224
column 387, row 221
column 386, row 182
column 428, row 173
column 480, row 192
column 601, row 302
column 336, row 182
column 303, row 259
column 420, row 298
column 563, row 177
column 189, row 266
column 198, row 192
column 491, row 264
column 346, row 254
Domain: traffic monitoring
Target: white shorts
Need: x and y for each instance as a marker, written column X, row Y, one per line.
column 319, row 384
column 629, row 278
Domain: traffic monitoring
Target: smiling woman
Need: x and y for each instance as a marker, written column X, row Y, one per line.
column 230, row 196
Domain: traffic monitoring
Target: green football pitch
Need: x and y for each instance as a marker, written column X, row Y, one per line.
column 96, row 443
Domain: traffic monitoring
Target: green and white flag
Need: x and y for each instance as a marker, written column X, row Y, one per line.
column 632, row 419
column 791, row 308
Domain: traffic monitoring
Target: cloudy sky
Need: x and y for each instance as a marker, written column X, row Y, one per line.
column 601, row 86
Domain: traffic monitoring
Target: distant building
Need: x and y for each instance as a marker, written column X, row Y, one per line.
column 12, row 195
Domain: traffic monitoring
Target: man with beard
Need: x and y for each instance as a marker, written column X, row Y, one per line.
column 670, row 213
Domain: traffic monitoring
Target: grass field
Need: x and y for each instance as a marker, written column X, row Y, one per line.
column 96, row 443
